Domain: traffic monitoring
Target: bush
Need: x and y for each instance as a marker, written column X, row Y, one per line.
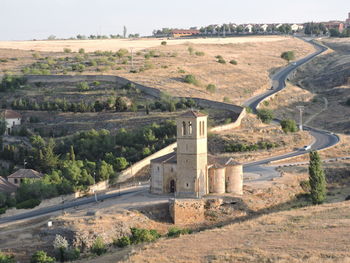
column 191, row 80
column 140, row 235
column 249, row 110
column 83, row 86
column 233, row 62
column 190, row 50
column 67, row 50
column 164, row 43
column 289, row 125
column 211, row 88
column 99, row 247
column 7, row 258
column 122, row 242
column 176, row 232
column 31, row 203
column 200, row 53
column 227, row 100
column 41, row 257
column 220, row 59
column 265, row 115
column 288, row 55
column 81, row 51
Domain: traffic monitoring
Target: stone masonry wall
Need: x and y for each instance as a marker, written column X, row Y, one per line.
column 186, row 211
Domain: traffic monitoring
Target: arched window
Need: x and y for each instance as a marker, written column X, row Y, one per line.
column 190, row 127
column 183, row 128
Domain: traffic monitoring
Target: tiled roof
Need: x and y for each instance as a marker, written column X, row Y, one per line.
column 193, row 114
column 6, row 187
column 10, row 114
column 26, row 173
column 168, row 158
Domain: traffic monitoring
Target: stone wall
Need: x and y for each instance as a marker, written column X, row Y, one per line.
column 186, row 211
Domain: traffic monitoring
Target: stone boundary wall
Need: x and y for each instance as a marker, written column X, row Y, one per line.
column 135, row 168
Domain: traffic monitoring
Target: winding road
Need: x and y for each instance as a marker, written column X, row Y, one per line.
column 323, row 140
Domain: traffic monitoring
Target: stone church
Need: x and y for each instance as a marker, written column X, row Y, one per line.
column 189, row 171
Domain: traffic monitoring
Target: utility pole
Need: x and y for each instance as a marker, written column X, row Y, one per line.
column 301, row 110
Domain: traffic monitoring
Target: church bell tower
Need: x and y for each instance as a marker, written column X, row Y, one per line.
column 192, row 155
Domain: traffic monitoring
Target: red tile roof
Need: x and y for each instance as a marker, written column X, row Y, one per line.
column 26, row 173
column 6, row 186
column 10, row 114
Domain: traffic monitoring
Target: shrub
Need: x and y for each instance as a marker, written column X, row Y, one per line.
column 191, row 80
column 227, row 100
column 140, row 235
column 164, row 43
column 200, row 53
column 81, row 51
column 122, row 242
column 265, row 115
column 220, row 59
column 3, row 211
column 190, row 50
column 288, row 55
column 99, row 247
column 30, row 203
column 180, row 70
column 249, row 110
column 289, row 125
column 7, row 258
column 67, row 50
column 233, row 62
column 176, row 232
column 211, row 88
column 41, row 257
column 83, row 86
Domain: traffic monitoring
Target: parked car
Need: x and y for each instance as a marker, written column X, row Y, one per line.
column 294, row 63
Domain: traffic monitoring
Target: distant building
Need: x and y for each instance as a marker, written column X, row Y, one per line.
column 189, row 172
column 184, row 32
column 347, row 21
column 18, row 177
column 338, row 25
column 6, row 187
column 296, row 27
column 12, row 119
column 264, row 27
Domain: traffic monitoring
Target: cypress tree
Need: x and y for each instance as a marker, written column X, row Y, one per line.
column 72, row 154
column 317, row 179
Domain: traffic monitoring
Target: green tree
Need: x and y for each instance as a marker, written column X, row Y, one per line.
column 105, row 171
column 72, row 154
column 265, row 115
column 7, row 258
column 289, row 125
column 41, row 257
column 120, row 104
column 317, row 179
column 99, row 247
column 334, row 32
column 190, row 50
column 288, row 55
column 121, row 163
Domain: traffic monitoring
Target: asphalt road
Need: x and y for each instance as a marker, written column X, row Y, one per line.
column 76, row 203
column 323, row 139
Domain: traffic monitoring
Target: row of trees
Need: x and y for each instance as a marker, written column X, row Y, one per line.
column 11, row 82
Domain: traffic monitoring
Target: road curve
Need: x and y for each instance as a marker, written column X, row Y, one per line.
column 323, row 139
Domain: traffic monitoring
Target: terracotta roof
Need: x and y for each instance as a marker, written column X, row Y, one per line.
column 10, row 114
column 6, row 186
column 168, row 158
column 26, row 173
column 214, row 161
column 193, row 114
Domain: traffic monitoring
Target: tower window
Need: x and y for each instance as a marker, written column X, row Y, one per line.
column 190, row 127
column 183, row 128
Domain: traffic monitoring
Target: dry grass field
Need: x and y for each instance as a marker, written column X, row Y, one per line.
column 115, row 44
column 256, row 58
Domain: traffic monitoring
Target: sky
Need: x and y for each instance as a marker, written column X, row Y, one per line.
column 38, row 19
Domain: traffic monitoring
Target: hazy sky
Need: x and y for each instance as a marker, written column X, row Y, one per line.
column 37, row 19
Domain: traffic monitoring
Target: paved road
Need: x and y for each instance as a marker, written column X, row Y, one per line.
column 323, row 139
column 78, row 202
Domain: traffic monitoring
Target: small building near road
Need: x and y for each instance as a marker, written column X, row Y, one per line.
column 17, row 177
column 347, row 21
column 6, row 187
column 12, row 119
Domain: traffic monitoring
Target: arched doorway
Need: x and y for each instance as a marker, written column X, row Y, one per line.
column 172, row 186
